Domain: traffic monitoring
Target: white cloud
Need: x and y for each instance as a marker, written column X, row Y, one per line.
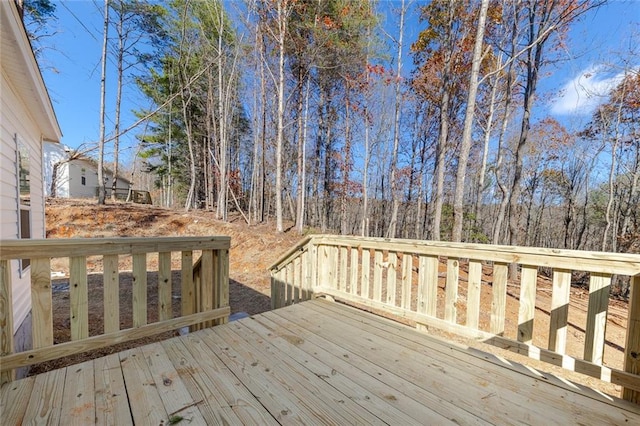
column 582, row 94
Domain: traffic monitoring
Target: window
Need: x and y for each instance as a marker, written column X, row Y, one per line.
column 83, row 180
column 24, row 203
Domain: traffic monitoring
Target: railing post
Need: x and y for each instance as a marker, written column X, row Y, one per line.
column 222, row 285
column 6, row 318
column 632, row 345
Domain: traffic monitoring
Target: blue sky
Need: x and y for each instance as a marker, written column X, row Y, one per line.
column 574, row 86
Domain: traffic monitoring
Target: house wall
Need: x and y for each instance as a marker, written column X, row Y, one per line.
column 77, row 170
column 16, row 119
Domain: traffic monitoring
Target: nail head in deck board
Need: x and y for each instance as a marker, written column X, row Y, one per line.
column 173, row 393
column 41, row 303
column 45, row 401
column 207, row 378
column 78, row 401
column 111, row 291
column 15, row 398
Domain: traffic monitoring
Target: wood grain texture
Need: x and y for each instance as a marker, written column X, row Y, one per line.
column 561, row 292
column 165, row 300
column 451, row 290
column 353, row 270
column 599, row 288
column 41, row 303
column 407, row 280
column 632, row 344
column 70, row 247
column 111, row 293
column 499, row 298
column 316, row 362
column 6, row 318
column 377, row 275
column 139, row 289
column 79, row 297
column 527, row 308
column 392, row 277
column 473, row 293
column 187, row 290
column 366, row 271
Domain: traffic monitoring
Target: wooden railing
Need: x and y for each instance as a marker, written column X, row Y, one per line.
column 204, row 291
column 400, row 277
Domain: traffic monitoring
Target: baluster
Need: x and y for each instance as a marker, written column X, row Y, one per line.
column 559, row 310
column 407, row 278
column 187, row 290
column 526, row 312
column 165, row 311
column 392, row 260
column 6, row 318
column 599, row 287
column 377, row 276
column 353, row 280
column 474, row 289
column 366, row 268
column 111, row 292
column 41, row 303
column 78, row 297
column 499, row 298
column 139, row 289
column 451, row 290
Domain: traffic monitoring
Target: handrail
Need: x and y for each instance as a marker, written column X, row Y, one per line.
column 401, row 277
column 204, row 289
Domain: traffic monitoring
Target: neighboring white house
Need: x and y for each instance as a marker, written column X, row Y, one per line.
column 77, row 178
column 26, row 120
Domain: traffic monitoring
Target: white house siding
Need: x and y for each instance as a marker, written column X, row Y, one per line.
column 16, row 119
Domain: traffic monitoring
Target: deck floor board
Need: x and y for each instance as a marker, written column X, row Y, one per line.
column 316, row 362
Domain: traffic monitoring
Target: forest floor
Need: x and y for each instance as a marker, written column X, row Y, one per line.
column 253, row 249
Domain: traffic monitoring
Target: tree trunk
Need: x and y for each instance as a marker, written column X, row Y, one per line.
column 465, row 148
column 282, row 29
column 395, row 192
column 445, row 101
column 103, row 89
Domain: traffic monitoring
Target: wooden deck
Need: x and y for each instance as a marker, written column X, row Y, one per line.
column 316, row 362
